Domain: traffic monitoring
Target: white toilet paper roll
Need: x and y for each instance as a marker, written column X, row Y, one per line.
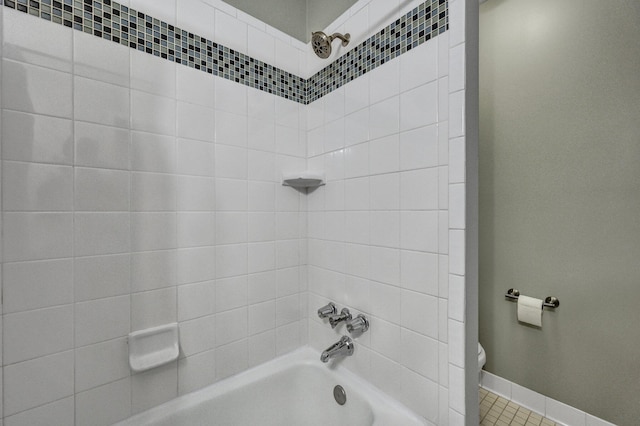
column 530, row 310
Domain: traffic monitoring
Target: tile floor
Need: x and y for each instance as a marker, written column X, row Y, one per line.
column 497, row 411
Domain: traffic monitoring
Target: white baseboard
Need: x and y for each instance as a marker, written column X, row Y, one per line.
column 538, row 403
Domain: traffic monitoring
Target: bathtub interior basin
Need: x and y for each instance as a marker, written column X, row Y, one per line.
column 295, row 389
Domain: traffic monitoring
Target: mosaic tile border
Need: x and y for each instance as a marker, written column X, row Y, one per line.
column 409, row 31
column 120, row 24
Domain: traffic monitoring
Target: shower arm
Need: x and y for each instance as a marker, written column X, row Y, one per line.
column 345, row 38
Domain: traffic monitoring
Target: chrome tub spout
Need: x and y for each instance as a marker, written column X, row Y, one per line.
column 343, row 347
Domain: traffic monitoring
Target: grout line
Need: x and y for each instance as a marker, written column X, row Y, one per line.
column 131, row 213
column 73, row 220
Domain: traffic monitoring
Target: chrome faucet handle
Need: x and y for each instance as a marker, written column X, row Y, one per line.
column 327, row 310
column 344, row 315
column 359, row 324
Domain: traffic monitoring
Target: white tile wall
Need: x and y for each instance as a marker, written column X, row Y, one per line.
column 33, row 285
column 23, row 381
column 103, row 405
column 102, row 103
column 133, row 196
column 58, row 412
column 109, row 64
column 196, row 18
column 49, row 141
column 162, row 184
column 100, row 146
column 395, row 235
column 44, row 88
column 154, row 387
column 51, row 48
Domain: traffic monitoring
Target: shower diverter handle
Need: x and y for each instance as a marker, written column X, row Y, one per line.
column 344, row 315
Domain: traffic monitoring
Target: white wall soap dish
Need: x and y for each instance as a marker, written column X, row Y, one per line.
column 153, row 347
column 303, row 180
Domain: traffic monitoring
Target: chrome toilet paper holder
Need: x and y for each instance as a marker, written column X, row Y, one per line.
column 549, row 302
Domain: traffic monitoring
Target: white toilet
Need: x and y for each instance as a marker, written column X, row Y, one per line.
column 482, row 359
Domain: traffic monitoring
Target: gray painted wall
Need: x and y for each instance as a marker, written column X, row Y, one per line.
column 293, row 22
column 560, row 198
column 471, row 99
column 321, row 13
column 301, row 17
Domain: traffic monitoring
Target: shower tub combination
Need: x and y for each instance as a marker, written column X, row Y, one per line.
column 294, row 389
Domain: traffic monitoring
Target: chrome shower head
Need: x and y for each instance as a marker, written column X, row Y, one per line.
column 321, row 43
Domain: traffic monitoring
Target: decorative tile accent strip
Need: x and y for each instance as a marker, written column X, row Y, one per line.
column 417, row 26
column 120, row 24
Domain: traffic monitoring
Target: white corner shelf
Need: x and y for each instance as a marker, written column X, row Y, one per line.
column 303, row 180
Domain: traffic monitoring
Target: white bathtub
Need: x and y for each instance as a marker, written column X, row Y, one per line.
column 295, row 389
